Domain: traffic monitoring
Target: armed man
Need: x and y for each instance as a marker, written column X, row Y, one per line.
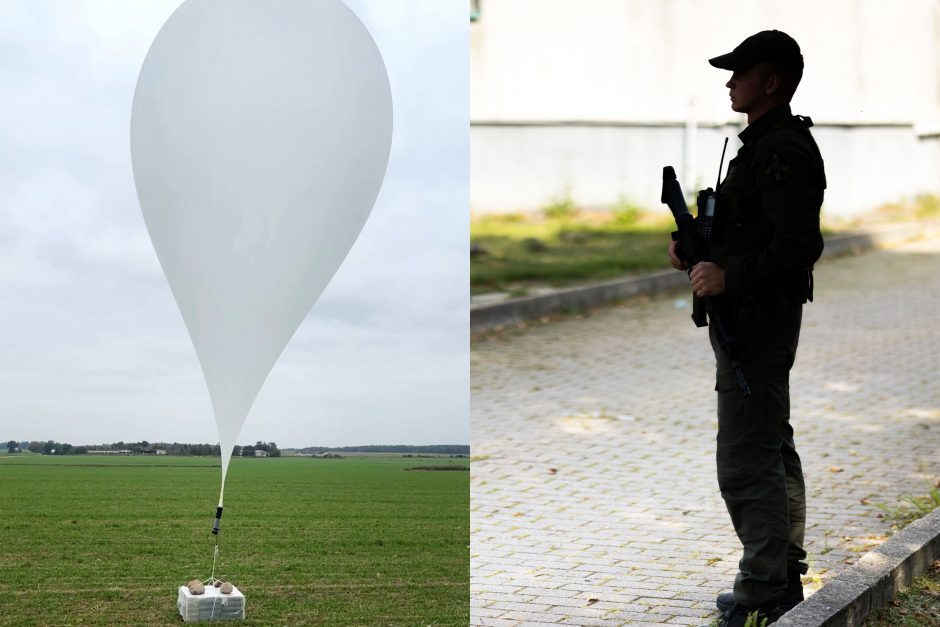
column 765, row 241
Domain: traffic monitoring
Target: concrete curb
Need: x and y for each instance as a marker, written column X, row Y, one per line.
column 873, row 581
column 514, row 311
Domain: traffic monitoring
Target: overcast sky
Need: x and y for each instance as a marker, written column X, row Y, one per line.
column 92, row 346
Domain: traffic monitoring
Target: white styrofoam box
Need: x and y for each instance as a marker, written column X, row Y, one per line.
column 213, row 605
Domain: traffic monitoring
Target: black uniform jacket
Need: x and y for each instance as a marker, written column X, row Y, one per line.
column 767, row 235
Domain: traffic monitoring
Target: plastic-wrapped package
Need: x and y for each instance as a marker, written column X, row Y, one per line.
column 213, row 605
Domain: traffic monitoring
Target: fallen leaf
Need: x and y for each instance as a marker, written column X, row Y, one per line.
column 864, row 501
column 552, row 471
column 592, row 601
column 835, row 469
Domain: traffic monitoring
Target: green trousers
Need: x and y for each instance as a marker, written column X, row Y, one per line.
column 759, row 470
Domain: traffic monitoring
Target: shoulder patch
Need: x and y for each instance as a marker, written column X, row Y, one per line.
column 777, row 168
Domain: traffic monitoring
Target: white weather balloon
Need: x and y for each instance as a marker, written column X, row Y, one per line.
column 260, row 135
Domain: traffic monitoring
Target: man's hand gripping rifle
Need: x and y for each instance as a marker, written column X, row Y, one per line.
column 691, row 236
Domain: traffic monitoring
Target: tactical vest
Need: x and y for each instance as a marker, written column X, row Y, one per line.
column 742, row 228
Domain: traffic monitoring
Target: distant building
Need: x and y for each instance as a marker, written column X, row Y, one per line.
column 121, row 452
column 260, row 453
column 160, row 451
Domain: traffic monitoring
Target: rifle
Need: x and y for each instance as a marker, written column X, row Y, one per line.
column 693, row 235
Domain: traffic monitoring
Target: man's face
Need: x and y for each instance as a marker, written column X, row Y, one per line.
column 749, row 88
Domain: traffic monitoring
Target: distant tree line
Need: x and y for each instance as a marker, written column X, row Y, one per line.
column 50, row 447
column 171, row 448
column 249, row 450
column 437, row 449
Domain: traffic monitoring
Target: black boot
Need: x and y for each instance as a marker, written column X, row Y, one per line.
column 739, row 615
column 792, row 596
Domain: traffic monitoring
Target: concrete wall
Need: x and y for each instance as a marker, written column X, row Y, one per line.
column 594, row 97
column 528, row 166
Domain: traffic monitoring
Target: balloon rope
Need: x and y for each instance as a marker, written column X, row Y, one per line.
column 215, row 556
column 215, row 532
column 212, row 579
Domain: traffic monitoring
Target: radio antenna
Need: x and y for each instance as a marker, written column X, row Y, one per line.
column 721, row 163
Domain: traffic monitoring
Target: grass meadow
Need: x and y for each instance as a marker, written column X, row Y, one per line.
column 88, row 540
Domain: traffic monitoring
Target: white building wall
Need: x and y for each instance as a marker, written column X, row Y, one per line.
column 594, row 97
column 527, row 167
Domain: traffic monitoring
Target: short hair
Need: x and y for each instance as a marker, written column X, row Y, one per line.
column 789, row 78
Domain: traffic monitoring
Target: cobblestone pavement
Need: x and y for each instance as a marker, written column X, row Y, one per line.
column 593, row 492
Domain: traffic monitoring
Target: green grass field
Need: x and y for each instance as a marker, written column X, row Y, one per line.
column 87, row 540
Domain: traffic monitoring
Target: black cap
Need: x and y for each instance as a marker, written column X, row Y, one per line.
column 768, row 45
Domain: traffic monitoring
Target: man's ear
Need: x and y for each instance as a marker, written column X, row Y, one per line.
column 772, row 84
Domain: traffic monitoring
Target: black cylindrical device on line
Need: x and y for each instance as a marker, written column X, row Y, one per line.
column 218, row 518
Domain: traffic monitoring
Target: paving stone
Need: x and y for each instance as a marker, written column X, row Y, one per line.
column 597, row 622
column 523, row 617
column 486, row 612
column 593, row 445
column 685, row 620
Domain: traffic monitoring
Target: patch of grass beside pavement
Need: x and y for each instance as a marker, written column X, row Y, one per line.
column 920, row 603
column 564, row 245
column 914, row 508
column 917, row 606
